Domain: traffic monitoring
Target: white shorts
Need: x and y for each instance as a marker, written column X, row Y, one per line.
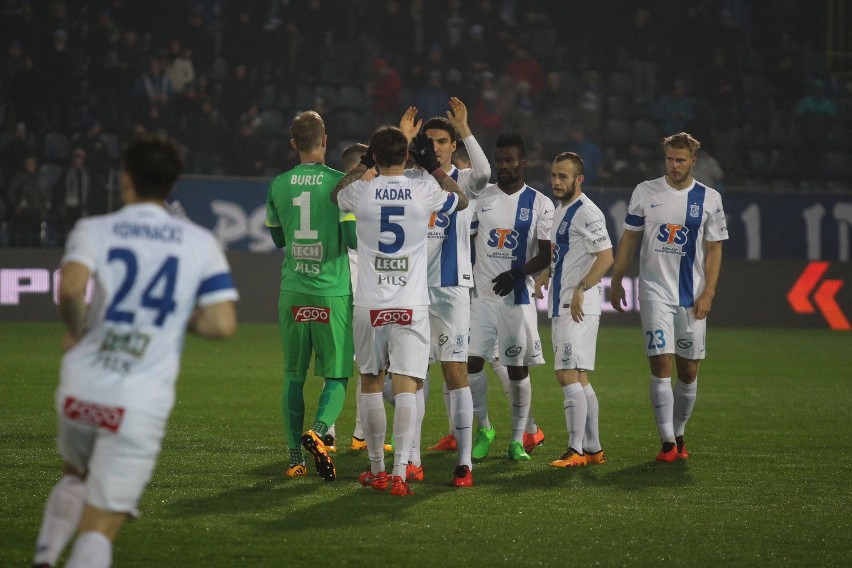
column 513, row 327
column 392, row 339
column 672, row 329
column 449, row 318
column 118, row 462
column 574, row 343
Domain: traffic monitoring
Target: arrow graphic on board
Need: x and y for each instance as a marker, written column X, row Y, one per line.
column 823, row 297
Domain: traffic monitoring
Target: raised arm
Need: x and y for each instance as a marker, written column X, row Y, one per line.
column 479, row 165
column 408, row 125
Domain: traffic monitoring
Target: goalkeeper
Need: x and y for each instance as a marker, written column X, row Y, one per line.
column 315, row 306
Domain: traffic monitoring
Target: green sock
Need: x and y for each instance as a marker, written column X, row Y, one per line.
column 330, row 404
column 293, row 412
column 296, row 457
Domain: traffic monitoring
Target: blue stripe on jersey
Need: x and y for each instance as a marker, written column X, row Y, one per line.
column 522, row 226
column 448, row 204
column 215, row 283
column 559, row 253
column 694, row 214
column 635, row 220
column 449, row 248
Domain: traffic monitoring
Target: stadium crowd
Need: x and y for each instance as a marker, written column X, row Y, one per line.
column 225, row 77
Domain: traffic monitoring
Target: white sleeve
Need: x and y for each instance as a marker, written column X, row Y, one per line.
column 83, row 245
column 347, row 197
column 545, row 220
column 716, row 228
column 594, row 233
column 216, row 284
column 635, row 219
column 480, row 169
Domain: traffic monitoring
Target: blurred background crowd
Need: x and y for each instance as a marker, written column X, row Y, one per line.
column 606, row 79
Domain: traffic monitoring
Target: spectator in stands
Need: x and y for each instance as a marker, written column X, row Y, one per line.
column 642, row 43
column 29, row 201
column 815, row 114
column 72, row 193
column 524, row 67
column 153, row 88
column 245, row 153
column 11, row 64
column 98, row 164
column 673, row 110
column 721, row 86
column 521, row 113
column 199, row 40
column 432, row 98
column 13, row 153
column 204, row 138
column 28, row 95
column 487, row 117
column 708, row 171
column 239, row 91
column 633, row 168
column 590, row 104
column 58, row 70
column 181, row 71
column 593, row 158
column 384, row 91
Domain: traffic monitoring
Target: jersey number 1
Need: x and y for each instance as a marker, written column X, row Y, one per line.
column 303, row 202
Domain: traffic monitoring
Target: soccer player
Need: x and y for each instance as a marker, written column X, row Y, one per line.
column 450, row 280
column 581, row 255
column 391, row 321
column 681, row 224
column 156, row 277
column 511, row 226
column 352, row 157
column 315, row 306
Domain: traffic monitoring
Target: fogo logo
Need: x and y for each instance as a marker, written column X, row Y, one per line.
column 671, row 233
column 398, row 316
column 311, row 313
column 106, row 417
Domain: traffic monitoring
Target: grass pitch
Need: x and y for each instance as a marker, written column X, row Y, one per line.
column 767, row 481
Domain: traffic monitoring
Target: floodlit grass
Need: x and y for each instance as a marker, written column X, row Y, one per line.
column 767, row 481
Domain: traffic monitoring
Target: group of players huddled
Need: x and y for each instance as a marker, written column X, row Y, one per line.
column 424, row 293
column 448, row 267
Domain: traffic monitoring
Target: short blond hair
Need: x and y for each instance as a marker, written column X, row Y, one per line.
column 307, row 130
column 682, row 141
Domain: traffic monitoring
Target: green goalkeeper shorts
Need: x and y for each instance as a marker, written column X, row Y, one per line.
column 316, row 325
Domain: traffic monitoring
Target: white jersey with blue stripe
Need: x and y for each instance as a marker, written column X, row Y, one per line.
column 675, row 223
column 150, row 271
column 507, row 229
column 391, row 218
column 449, row 234
column 578, row 233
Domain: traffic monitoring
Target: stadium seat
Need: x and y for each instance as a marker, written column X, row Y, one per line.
column 50, row 172
column 617, row 131
column 620, row 83
column 57, row 147
column 619, row 106
column 646, row 132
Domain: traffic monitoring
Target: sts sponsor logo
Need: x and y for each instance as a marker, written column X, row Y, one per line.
column 503, row 238
column 671, row 233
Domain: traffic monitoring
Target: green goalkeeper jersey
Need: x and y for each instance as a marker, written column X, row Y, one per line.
column 299, row 203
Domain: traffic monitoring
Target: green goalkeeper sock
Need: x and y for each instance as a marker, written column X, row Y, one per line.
column 296, row 456
column 330, row 404
column 293, row 411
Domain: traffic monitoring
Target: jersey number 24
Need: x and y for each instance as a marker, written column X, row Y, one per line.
column 156, row 296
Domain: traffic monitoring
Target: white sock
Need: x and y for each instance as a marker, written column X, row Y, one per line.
column 374, row 422
column 448, row 406
column 684, row 402
column 662, row 400
column 461, row 408
column 61, row 515
column 479, row 391
column 576, row 412
column 591, row 439
column 387, row 389
column 502, row 373
column 91, row 550
column 404, row 417
column 520, row 395
column 359, row 431
column 420, row 406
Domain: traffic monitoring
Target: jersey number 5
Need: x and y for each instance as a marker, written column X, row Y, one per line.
column 156, row 296
column 388, row 226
